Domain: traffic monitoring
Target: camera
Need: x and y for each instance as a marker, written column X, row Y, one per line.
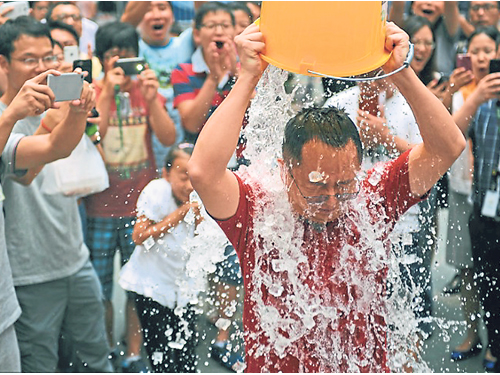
column 494, row 66
column 132, row 66
column 86, row 66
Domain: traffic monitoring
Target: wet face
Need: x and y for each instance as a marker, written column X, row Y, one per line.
column 483, row 13
column 26, row 60
column 69, row 14
column 319, row 185
column 482, row 49
column 431, row 10
column 156, row 24
column 65, row 38
column 39, row 10
column 242, row 21
column 216, row 27
column 179, row 179
column 424, row 45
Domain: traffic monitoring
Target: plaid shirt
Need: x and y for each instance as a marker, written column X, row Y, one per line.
column 485, row 133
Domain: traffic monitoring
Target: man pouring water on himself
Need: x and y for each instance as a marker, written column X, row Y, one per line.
column 315, row 276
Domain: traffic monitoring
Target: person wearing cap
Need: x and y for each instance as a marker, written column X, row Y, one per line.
column 285, row 325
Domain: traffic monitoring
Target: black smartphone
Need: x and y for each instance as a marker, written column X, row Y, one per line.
column 494, row 66
column 132, row 66
column 444, row 78
column 86, row 66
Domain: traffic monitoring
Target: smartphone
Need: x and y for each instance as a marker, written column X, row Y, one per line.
column 494, row 66
column 86, row 66
column 66, row 87
column 444, row 78
column 132, row 66
column 71, row 53
column 20, row 8
column 463, row 61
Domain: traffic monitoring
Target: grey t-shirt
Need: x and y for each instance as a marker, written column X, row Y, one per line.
column 9, row 310
column 43, row 232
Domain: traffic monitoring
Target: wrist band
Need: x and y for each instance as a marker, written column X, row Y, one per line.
column 45, row 126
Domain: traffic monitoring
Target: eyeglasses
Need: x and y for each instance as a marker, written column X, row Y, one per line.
column 213, row 26
column 64, row 16
column 59, row 57
column 424, row 43
column 32, row 62
column 351, row 191
column 485, row 7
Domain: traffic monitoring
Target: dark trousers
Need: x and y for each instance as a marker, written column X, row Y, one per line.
column 169, row 339
column 485, row 239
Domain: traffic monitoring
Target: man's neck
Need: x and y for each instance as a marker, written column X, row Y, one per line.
column 8, row 96
column 158, row 44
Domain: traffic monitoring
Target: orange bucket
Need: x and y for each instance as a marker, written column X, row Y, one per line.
column 334, row 38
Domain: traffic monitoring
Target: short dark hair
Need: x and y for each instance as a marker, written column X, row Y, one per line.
column 489, row 31
column 211, row 7
column 58, row 25
column 175, row 152
column 116, row 34
column 12, row 30
column 329, row 125
column 54, row 5
column 238, row 5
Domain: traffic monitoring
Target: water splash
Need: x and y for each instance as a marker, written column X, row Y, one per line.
column 370, row 309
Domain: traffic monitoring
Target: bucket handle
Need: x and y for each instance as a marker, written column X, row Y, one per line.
column 406, row 64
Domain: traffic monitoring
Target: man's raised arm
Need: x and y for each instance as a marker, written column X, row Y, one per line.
column 217, row 186
column 443, row 141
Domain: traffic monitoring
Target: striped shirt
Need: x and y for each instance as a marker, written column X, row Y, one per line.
column 484, row 133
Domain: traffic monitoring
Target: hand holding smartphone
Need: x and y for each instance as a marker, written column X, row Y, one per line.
column 86, row 66
column 19, row 8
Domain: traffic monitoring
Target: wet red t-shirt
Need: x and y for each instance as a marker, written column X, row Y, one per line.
column 330, row 314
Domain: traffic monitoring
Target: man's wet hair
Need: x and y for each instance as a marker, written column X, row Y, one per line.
column 175, row 152
column 116, row 34
column 12, row 30
column 211, row 7
column 58, row 25
column 329, row 125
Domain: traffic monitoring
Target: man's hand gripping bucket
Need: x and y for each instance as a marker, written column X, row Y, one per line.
column 337, row 39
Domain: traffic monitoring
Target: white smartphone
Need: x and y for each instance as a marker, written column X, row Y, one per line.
column 71, row 53
column 66, row 87
column 20, row 8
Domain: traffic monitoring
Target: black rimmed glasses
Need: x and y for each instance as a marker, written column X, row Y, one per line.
column 350, row 190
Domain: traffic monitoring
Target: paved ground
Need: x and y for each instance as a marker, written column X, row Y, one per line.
column 436, row 349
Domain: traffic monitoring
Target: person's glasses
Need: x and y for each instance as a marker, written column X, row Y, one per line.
column 424, row 43
column 213, row 26
column 59, row 57
column 349, row 191
column 32, row 62
column 485, row 7
column 64, row 16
